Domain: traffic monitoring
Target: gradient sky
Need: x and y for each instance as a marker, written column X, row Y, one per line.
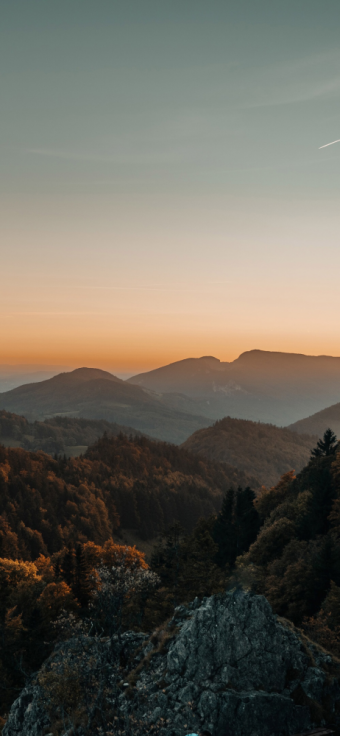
column 163, row 194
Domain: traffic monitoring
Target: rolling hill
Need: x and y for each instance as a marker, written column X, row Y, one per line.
column 319, row 422
column 58, row 435
column 263, row 386
column 121, row 483
column 262, row 450
column 91, row 393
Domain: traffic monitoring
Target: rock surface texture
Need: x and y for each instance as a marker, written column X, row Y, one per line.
column 227, row 665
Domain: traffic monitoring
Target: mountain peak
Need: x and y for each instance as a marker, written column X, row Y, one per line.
column 85, row 374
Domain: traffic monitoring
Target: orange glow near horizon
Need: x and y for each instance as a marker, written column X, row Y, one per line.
column 129, row 305
column 140, row 348
column 163, row 190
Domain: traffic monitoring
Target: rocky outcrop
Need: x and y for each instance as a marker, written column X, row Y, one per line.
column 227, row 665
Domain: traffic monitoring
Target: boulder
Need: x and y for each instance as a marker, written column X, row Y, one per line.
column 226, row 665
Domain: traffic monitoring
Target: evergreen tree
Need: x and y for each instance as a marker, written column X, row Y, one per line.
column 199, row 573
column 247, row 520
column 224, row 532
column 326, row 446
column 166, row 558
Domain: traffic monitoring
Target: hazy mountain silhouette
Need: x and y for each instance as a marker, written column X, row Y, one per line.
column 259, row 385
column 95, row 394
column 172, row 402
column 11, row 378
column 261, row 450
column 319, row 422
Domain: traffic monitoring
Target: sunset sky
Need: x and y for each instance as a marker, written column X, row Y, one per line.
column 163, row 194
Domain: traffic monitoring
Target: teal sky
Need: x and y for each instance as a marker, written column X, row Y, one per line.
column 162, row 188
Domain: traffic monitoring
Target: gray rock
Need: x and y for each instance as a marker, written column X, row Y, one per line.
column 229, row 667
column 27, row 716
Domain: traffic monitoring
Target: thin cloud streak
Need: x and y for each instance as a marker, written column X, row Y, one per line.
column 184, row 288
column 329, row 144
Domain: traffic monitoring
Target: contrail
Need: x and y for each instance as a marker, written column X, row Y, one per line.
column 330, row 144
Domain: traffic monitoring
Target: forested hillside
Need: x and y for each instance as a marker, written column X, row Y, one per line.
column 260, row 449
column 57, row 520
column 295, row 560
column 61, row 435
column 121, row 482
column 58, row 517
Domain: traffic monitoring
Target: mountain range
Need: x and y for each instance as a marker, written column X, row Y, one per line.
column 91, row 393
column 279, row 388
column 174, row 401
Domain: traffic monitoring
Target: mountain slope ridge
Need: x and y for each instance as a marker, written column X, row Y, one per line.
column 319, row 422
column 93, row 394
column 261, row 449
column 271, row 387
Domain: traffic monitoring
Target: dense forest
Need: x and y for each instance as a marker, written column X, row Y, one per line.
column 260, row 449
column 57, row 552
column 121, row 482
column 295, row 560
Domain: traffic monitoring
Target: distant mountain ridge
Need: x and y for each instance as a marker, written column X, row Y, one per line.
column 259, row 385
column 172, row 402
column 91, row 393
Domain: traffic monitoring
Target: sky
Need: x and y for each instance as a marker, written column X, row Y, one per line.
column 163, row 194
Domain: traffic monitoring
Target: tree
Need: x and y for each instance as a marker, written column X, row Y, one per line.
column 247, row 520
column 236, row 526
column 115, row 587
column 166, row 558
column 326, row 446
column 199, row 574
column 224, row 532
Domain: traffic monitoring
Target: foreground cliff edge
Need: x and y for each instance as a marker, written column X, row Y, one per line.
column 227, row 665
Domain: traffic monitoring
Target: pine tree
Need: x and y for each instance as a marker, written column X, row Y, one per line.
column 224, row 532
column 166, row 558
column 326, row 446
column 199, row 574
column 247, row 520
